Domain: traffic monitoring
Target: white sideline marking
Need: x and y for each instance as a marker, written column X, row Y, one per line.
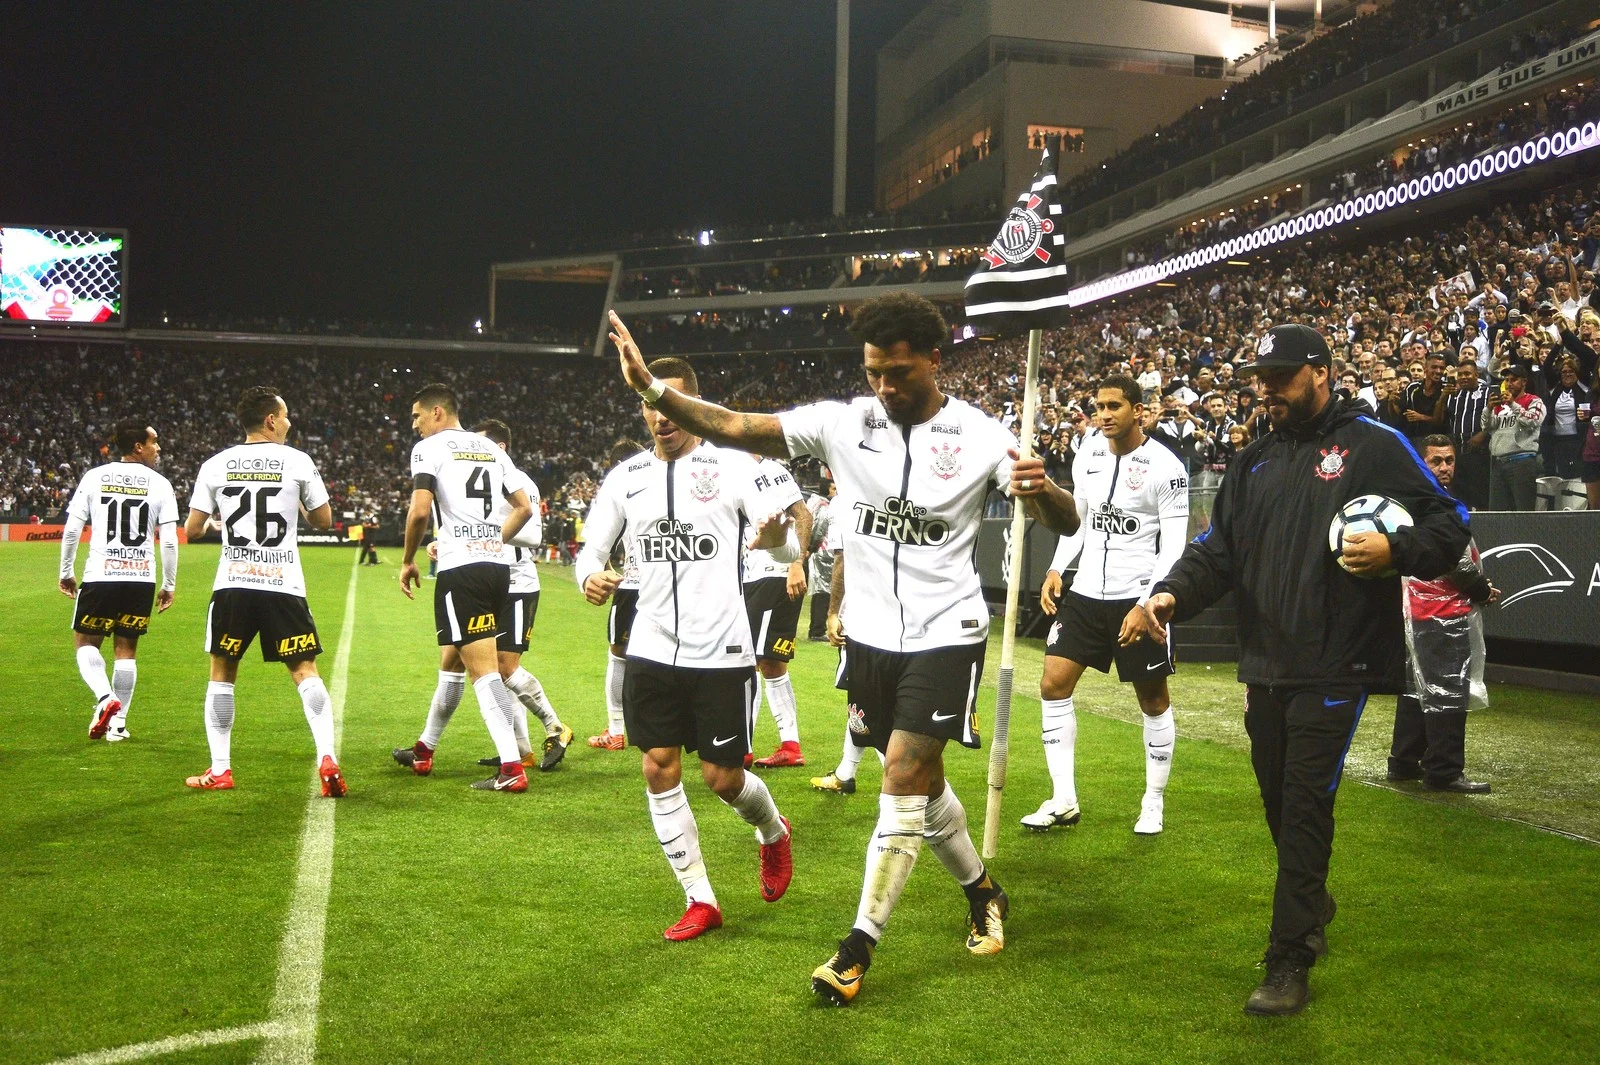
column 174, row 1044
column 299, row 988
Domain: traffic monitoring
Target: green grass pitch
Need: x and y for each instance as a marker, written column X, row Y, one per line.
column 465, row 926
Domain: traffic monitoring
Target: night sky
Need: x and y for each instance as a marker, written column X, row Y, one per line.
column 371, row 160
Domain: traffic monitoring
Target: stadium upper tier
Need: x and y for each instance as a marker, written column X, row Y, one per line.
column 1423, row 285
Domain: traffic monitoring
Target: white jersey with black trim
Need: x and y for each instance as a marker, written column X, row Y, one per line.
column 256, row 491
column 771, row 476
column 1135, row 518
column 470, row 477
column 523, row 554
column 910, row 502
column 686, row 523
column 124, row 503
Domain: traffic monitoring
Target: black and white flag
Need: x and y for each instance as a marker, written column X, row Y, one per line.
column 1023, row 280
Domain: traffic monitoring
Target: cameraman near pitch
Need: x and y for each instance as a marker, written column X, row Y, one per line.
column 1318, row 633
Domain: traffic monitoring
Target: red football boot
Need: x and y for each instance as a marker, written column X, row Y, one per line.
column 788, row 753
column 417, row 758
column 332, row 781
column 209, row 781
column 697, row 920
column 777, row 865
column 103, row 714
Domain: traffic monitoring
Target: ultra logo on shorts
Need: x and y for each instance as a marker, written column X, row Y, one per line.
column 98, row 624
column 480, row 623
column 230, row 645
column 137, row 622
column 297, row 645
column 783, row 646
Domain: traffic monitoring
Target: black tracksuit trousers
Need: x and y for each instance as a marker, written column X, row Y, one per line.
column 1437, row 741
column 1298, row 741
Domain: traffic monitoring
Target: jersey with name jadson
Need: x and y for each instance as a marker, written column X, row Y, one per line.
column 256, row 491
column 1122, row 499
column 771, row 477
column 686, row 522
column 910, row 503
column 469, row 477
column 124, row 504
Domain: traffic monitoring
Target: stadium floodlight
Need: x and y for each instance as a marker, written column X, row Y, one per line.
column 1483, row 168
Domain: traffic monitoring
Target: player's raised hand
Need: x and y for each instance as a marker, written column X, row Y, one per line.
column 69, row 587
column 1027, row 475
column 1050, row 592
column 410, row 577
column 633, row 368
column 772, row 532
column 1151, row 620
column 598, row 588
column 163, row 601
column 1366, row 554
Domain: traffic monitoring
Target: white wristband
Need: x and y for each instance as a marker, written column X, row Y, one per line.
column 653, row 391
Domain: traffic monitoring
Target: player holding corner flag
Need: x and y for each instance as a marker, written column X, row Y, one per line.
column 258, row 490
column 689, row 681
column 124, row 502
column 458, row 481
column 917, row 466
column 1133, row 497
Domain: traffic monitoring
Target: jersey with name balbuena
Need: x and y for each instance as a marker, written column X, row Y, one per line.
column 910, row 502
column 256, row 491
column 1122, row 499
column 469, row 477
column 771, row 477
column 124, row 503
column 686, row 522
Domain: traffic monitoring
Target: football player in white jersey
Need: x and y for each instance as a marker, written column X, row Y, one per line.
column 773, row 594
column 686, row 507
column 622, row 568
column 124, row 502
column 522, row 606
column 258, row 490
column 458, row 481
column 1133, row 497
column 916, row 466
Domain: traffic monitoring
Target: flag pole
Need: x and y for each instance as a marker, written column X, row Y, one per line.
column 999, row 746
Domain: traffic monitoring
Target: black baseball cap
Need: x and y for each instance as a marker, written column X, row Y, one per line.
column 1290, row 346
column 1518, row 369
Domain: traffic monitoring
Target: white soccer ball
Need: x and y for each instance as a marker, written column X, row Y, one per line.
column 1366, row 514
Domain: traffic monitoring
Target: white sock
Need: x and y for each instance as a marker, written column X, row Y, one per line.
column 754, row 804
column 519, row 727
column 1060, row 740
column 526, row 687
column 891, row 855
column 319, row 715
column 780, row 699
column 219, row 724
column 499, row 710
column 124, row 675
column 946, row 834
column 1159, row 738
column 850, row 757
column 446, row 697
column 680, row 842
column 92, row 668
column 614, row 668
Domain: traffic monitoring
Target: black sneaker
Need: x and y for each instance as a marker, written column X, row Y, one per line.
column 838, row 980
column 555, row 749
column 987, row 910
column 1285, row 988
column 1459, row 786
column 1317, row 938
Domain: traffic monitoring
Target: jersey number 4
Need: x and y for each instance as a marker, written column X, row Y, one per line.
column 480, row 487
column 135, row 523
column 271, row 527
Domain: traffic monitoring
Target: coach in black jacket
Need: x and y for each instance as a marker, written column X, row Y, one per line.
column 1314, row 640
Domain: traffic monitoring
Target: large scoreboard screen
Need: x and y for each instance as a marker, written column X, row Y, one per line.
column 62, row 275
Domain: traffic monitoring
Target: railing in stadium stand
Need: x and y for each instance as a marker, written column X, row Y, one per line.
column 1486, row 167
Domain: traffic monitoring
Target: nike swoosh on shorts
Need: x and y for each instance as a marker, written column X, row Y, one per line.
column 944, row 717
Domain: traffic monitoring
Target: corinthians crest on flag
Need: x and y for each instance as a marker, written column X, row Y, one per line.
column 1022, row 281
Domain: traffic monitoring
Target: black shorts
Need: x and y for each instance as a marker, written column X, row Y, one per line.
column 469, row 603
column 1086, row 632
column 774, row 618
column 120, row 608
column 619, row 619
column 705, row 710
column 932, row 693
column 237, row 615
column 517, row 632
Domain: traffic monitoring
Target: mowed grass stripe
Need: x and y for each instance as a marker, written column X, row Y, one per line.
column 133, row 908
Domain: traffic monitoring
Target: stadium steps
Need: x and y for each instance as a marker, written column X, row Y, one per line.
column 1209, row 636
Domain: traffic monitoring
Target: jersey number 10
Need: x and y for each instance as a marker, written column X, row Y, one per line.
column 270, row 526
column 135, row 524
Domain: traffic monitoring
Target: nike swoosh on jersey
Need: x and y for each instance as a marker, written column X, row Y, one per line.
column 1334, row 702
column 944, row 717
column 721, row 743
column 1090, row 472
column 863, row 446
column 1258, row 465
column 633, row 493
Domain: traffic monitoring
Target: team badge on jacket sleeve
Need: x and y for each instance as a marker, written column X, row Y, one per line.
column 1331, row 468
column 946, row 461
column 703, row 485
